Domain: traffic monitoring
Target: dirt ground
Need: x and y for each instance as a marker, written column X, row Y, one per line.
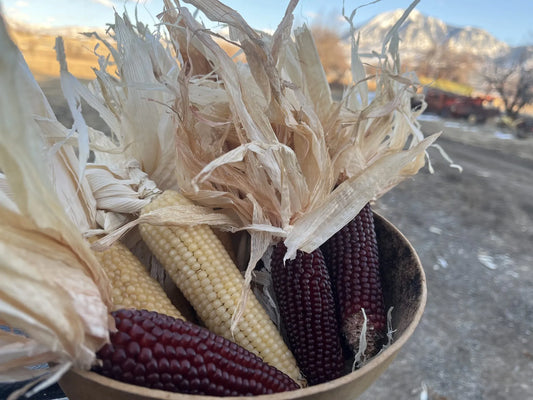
column 473, row 231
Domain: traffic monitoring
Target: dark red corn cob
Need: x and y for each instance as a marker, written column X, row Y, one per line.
column 352, row 259
column 162, row 352
column 307, row 309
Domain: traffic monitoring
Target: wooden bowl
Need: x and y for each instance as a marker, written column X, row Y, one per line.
column 404, row 286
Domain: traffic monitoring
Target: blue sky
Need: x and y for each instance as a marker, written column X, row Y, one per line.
column 509, row 20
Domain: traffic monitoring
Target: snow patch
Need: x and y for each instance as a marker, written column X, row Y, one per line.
column 435, row 230
column 441, row 263
column 486, row 260
column 504, row 135
column 429, row 117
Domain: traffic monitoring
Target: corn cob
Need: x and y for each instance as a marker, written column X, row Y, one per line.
column 202, row 269
column 132, row 285
column 352, row 258
column 307, row 309
column 161, row 352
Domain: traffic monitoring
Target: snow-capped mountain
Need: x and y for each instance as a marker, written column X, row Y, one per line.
column 421, row 33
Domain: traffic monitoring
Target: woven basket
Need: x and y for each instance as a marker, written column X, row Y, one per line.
column 404, row 286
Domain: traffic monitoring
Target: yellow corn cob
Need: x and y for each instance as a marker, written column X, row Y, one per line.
column 202, row 269
column 133, row 287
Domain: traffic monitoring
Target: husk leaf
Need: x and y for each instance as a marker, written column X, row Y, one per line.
column 262, row 143
column 51, row 288
column 259, row 145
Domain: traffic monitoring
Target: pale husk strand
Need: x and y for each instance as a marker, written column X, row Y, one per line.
column 72, row 190
column 142, row 135
column 267, row 133
column 315, row 83
column 349, row 197
column 239, row 164
column 260, row 146
column 134, row 103
column 14, row 346
column 6, row 197
column 24, row 160
column 114, row 192
column 48, row 298
column 68, row 82
column 52, row 288
column 140, row 126
column 279, row 172
column 271, row 160
column 178, row 215
column 370, row 132
column 39, row 267
column 231, row 153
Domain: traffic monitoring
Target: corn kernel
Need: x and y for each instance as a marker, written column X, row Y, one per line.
column 203, row 270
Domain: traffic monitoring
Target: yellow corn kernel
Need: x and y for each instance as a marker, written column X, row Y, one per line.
column 133, row 287
column 203, row 270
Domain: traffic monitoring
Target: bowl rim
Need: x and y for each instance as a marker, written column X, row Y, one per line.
column 386, row 354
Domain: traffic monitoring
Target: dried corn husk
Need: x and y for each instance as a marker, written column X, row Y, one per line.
column 259, row 146
column 264, row 133
column 263, row 143
column 294, row 144
column 52, row 289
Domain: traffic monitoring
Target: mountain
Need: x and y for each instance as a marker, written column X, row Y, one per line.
column 421, row 33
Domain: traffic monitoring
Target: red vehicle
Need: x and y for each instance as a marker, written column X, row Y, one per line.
column 457, row 106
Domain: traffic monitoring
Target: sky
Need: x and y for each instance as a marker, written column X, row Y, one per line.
column 509, row 20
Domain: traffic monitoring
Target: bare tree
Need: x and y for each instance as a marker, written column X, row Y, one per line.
column 440, row 62
column 512, row 81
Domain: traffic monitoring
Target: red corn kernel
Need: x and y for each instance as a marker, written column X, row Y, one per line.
column 184, row 369
column 353, row 262
column 307, row 309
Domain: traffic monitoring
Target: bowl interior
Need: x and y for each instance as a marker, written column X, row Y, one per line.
column 404, row 289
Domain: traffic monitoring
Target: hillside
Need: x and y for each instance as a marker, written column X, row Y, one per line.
column 37, row 46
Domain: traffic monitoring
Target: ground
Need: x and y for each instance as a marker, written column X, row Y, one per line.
column 473, row 231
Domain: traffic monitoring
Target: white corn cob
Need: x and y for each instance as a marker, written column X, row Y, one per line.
column 202, row 269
